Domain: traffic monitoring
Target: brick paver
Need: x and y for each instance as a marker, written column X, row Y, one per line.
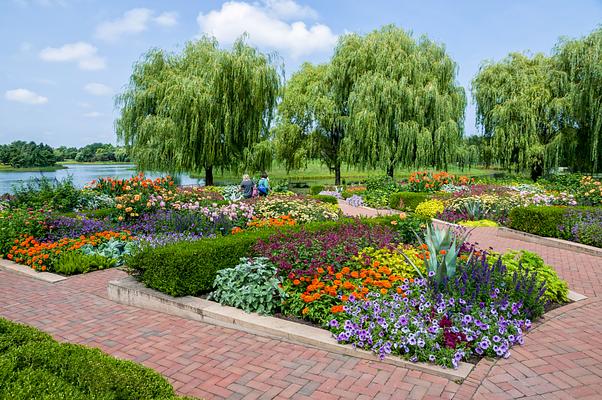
column 562, row 357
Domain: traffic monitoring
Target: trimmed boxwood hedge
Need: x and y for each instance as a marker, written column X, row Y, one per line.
column 189, row 268
column 538, row 220
column 35, row 366
column 407, row 200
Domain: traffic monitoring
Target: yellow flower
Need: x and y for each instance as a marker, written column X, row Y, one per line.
column 119, row 206
column 120, row 218
column 128, row 209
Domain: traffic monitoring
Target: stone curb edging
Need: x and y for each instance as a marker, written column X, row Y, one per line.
column 550, row 242
column 131, row 292
column 25, row 270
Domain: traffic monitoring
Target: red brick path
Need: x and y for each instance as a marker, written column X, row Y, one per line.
column 562, row 357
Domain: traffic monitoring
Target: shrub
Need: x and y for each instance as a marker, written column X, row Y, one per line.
column 41, row 192
column 429, row 208
column 33, row 365
column 15, row 223
column 190, row 268
column 252, row 286
column 313, row 190
column 542, row 221
column 556, row 289
column 325, row 198
column 407, row 200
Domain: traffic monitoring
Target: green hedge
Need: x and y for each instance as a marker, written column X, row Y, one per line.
column 325, row 198
column 186, row 268
column 34, row 366
column 313, row 190
column 407, row 200
column 538, row 220
column 190, row 268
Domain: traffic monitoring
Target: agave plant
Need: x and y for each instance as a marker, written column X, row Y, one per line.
column 474, row 209
column 443, row 246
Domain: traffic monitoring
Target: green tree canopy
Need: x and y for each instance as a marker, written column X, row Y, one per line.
column 21, row 154
column 520, row 107
column 401, row 100
column 202, row 109
column 310, row 121
column 581, row 62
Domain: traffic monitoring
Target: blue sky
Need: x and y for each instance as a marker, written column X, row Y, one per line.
column 64, row 60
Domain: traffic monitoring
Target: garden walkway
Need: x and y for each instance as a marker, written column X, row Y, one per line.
column 562, row 357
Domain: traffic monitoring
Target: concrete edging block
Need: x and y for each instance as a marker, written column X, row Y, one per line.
column 25, row 270
column 131, row 292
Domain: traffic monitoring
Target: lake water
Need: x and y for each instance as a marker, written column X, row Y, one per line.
column 83, row 174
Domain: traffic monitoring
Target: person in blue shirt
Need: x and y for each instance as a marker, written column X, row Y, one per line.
column 263, row 187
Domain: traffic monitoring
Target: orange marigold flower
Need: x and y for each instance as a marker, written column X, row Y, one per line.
column 443, row 252
column 305, row 311
column 383, row 291
column 296, row 282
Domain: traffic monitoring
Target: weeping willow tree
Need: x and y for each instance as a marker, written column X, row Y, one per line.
column 580, row 61
column 203, row 109
column 310, row 125
column 399, row 100
column 520, row 107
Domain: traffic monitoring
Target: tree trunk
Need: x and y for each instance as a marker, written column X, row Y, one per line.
column 390, row 170
column 337, row 173
column 209, row 176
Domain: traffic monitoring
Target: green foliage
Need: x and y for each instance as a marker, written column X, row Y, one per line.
column 185, row 112
column 58, row 195
column 407, row 201
column 443, row 246
column 72, row 263
column 542, row 221
column 556, row 289
column 519, row 106
column 251, row 286
column 18, row 222
column 190, row 268
column 429, row 208
column 311, row 120
column 405, row 113
column 20, row 154
column 314, row 190
column 114, row 250
column 34, row 366
column 378, row 191
column 325, row 198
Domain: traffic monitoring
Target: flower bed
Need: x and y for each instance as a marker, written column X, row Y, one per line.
column 442, row 301
column 111, row 218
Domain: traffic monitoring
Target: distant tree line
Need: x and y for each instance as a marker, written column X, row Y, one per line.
column 21, row 154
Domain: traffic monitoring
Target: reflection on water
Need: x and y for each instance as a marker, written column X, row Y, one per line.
column 83, row 174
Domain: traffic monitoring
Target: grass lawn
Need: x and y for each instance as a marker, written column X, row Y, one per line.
column 317, row 173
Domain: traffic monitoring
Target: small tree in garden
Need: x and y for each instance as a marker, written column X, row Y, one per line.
column 400, row 98
column 202, row 109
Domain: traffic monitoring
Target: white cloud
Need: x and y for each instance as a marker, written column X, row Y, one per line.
column 289, row 9
column 167, row 19
column 93, row 114
column 25, row 96
column 81, row 52
column 98, row 89
column 134, row 21
column 267, row 27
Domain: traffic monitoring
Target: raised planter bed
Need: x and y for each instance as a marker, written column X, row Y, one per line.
column 131, row 292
